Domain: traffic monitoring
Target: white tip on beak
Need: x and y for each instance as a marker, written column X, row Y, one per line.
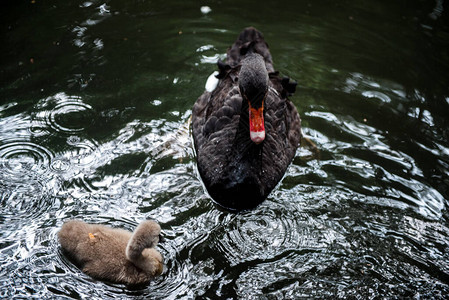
column 257, row 136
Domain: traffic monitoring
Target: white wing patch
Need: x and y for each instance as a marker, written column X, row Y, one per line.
column 212, row 82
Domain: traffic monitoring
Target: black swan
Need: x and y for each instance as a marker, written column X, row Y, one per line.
column 246, row 131
column 114, row 255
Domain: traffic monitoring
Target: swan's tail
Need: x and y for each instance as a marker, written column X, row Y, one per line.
column 250, row 40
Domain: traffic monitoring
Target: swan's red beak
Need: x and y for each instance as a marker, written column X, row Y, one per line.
column 256, row 124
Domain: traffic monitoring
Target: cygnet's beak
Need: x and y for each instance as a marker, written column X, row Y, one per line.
column 161, row 238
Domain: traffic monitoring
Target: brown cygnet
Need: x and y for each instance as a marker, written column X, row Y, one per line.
column 114, row 255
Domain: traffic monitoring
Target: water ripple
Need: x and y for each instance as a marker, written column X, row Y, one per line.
column 63, row 113
column 83, row 152
column 21, row 156
column 25, row 199
column 28, row 189
column 269, row 232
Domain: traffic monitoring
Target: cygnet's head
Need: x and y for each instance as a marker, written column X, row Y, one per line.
column 146, row 235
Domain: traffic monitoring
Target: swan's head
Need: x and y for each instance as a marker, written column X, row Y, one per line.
column 253, row 84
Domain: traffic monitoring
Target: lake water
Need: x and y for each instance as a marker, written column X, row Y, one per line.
column 95, row 101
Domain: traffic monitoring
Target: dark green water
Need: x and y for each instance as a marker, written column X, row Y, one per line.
column 95, row 99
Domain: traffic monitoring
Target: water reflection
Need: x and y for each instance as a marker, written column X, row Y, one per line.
column 375, row 167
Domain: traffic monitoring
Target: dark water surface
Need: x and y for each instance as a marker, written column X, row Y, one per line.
column 95, row 99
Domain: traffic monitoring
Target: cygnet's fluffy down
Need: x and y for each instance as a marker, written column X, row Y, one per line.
column 114, row 255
